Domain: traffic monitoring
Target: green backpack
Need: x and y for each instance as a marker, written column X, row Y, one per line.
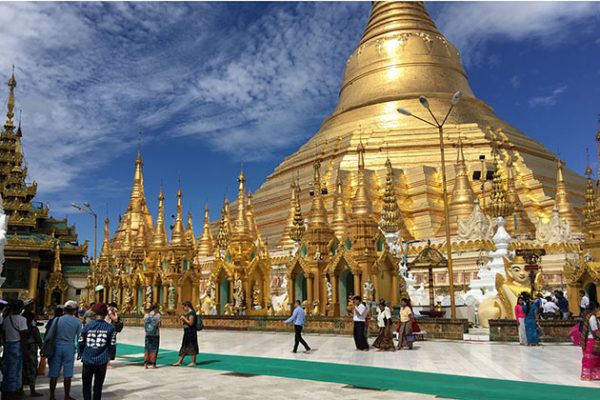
column 199, row 322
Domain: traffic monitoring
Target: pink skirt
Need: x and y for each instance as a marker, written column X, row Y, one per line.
column 575, row 335
column 590, row 363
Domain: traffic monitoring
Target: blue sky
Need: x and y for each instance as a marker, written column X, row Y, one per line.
column 213, row 84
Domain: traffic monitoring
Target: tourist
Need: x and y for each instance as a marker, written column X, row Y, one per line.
column 384, row 340
column 58, row 312
column 562, row 303
column 298, row 318
column 532, row 315
column 96, row 343
column 152, row 339
column 65, row 330
column 189, row 343
column 405, row 332
column 112, row 317
column 14, row 329
column 359, row 317
column 30, row 358
column 590, row 363
column 585, row 302
column 520, row 317
column 551, row 310
column 88, row 315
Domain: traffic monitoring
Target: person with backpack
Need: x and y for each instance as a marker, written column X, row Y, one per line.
column 189, row 343
column 152, row 340
column 96, row 344
column 14, row 329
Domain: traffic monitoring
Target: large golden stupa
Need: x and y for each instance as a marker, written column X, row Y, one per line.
column 401, row 56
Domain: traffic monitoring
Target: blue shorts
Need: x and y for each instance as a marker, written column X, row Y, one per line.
column 63, row 358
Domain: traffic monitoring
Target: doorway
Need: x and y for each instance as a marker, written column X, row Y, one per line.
column 345, row 289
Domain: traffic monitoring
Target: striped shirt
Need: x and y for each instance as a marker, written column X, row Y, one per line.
column 97, row 341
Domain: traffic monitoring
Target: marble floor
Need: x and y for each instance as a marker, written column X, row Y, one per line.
column 553, row 364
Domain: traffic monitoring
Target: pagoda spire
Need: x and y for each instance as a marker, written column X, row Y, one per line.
column 519, row 222
column 391, row 216
column 205, row 242
column 561, row 201
column 590, row 202
column 105, row 251
column 140, row 240
column 251, row 219
column 361, row 204
column 463, row 197
column 224, row 234
column 318, row 215
column 12, row 83
column 189, row 232
column 241, row 229
column 178, row 233
column 57, row 264
column 160, row 239
column 340, row 217
column 499, row 206
column 287, row 238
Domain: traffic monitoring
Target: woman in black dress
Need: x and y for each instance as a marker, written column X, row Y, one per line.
column 189, row 344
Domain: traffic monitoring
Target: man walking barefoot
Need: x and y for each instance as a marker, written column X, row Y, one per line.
column 298, row 318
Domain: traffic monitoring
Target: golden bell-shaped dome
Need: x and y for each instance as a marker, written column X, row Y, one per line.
column 401, row 55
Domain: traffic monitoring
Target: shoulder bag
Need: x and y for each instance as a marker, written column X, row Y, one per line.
column 49, row 345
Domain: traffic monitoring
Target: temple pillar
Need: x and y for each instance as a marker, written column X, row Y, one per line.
column 165, row 296
column 291, row 294
column 574, row 299
column 357, row 287
column 395, row 300
column 309, row 292
column 34, row 273
column 155, row 295
column 178, row 299
column 195, row 295
column 231, row 298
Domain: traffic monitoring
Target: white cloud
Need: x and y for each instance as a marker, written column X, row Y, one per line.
column 469, row 25
column 91, row 74
column 548, row 100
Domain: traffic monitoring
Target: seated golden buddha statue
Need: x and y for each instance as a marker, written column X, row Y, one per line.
column 517, row 281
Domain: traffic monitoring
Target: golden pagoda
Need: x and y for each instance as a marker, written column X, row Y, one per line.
column 401, row 56
column 40, row 250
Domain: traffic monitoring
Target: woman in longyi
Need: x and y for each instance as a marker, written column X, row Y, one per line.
column 517, row 280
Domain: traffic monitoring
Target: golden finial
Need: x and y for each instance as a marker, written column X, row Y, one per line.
column 12, row 83
column 160, row 239
column 178, row 233
column 588, row 169
column 224, row 227
column 57, row 264
column 499, row 206
column 189, row 231
column 590, row 200
column 340, row 217
column 298, row 228
column 390, row 214
column 205, row 243
column 289, row 235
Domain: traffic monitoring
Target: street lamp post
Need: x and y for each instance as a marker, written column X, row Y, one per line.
column 86, row 208
column 440, row 126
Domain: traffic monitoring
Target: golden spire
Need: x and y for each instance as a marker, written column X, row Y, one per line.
column 250, row 219
column 286, row 239
column 590, row 202
column 519, row 222
column 205, row 242
column 401, row 53
column 340, row 217
column 463, row 197
column 499, row 206
column 361, row 205
column 12, row 83
column 189, row 232
column 160, row 239
column 57, row 264
column 298, row 227
column 140, row 239
column 126, row 244
column 178, row 233
column 105, row 251
column 241, row 229
column 224, row 227
column 318, row 215
column 561, row 201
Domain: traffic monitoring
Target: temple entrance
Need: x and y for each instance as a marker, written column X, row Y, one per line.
column 345, row 289
column 300, row 287
column 186, row 290
column 223, row 294
column 56, row 297
column 590, row 289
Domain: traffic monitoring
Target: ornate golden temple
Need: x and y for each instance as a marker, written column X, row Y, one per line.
column 43, row 259
column 374, row 196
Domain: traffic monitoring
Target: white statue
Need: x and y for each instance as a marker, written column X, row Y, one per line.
column 477, row 226
column 329, row 292
column 553, row 231
column 368, row 290
column 171, row 298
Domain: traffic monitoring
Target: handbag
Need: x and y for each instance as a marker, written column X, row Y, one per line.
column 41, row 369
column 49, row 345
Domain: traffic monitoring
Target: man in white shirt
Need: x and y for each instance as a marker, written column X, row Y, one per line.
column 15, row 344
column 585, row 302
column 359, row 318
column 551, row 310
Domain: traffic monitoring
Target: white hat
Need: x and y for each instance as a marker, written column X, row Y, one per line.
column 27, row 302
column 71, row 305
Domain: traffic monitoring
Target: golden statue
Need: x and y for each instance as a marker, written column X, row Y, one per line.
column 517, row 281
column 315, row 310
column 207, row 305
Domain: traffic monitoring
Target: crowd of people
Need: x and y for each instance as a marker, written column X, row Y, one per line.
column 92, row 332
column 90, row 335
